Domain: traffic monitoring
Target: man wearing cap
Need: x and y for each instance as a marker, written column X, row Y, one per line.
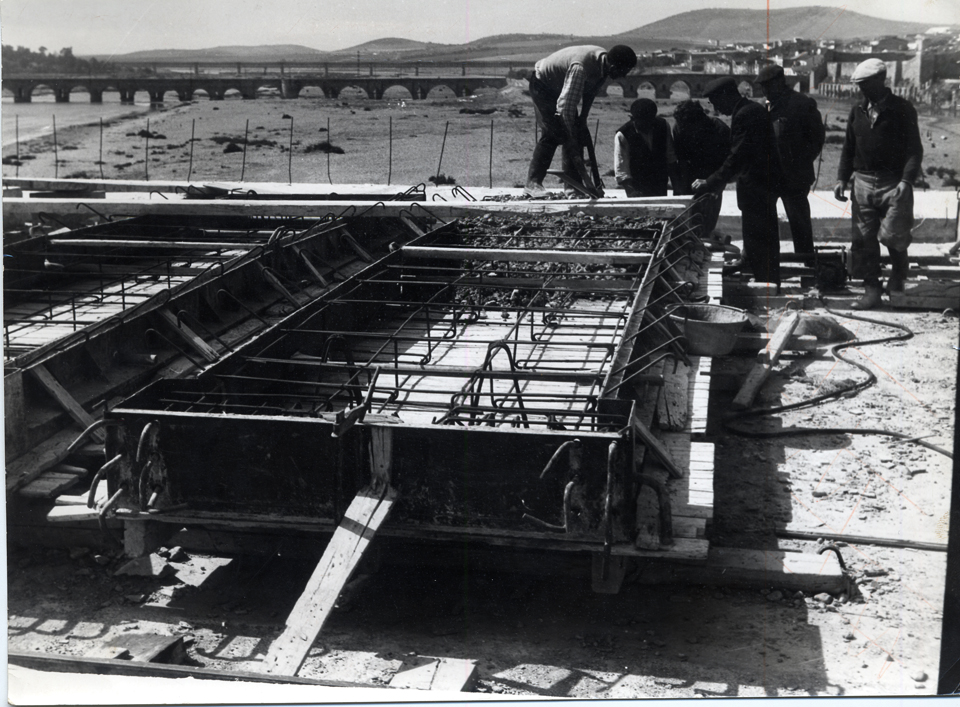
column 882, row 152
column 562, row 83
column 643, row 156
column 701, row 143
column 800, row 134
column 753, row 162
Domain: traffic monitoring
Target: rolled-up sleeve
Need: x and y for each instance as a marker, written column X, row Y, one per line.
column 570, row 97
column 621, row 158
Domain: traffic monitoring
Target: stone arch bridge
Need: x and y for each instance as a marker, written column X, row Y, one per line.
column 23, row 87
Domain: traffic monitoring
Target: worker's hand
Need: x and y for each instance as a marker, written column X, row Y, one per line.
column 839, row 191
column 902, row 189
column 699, row 186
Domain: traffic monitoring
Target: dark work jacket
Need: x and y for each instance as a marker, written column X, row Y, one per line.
column 648, row 165
column 753, row 160
column 892, row 144
column 701, row 148
column 800, row 134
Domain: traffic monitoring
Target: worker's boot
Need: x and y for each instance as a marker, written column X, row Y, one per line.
column 900, row 266
column 872, row 295
column 534, row 190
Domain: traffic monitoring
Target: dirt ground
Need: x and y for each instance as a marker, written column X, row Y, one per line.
column 550, row 635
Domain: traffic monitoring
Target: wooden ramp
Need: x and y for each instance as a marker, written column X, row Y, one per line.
column 360, row 523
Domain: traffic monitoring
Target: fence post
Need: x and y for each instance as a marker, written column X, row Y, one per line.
column 56, row 157
column 243, row 165
column 491, row 153
column 390, row 153
column 193, row 128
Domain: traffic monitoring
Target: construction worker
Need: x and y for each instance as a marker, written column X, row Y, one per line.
column 701, row 143
column 882, row 152
column 800, row 134
column 559, row 85
column 643, row 155
column 753, row 162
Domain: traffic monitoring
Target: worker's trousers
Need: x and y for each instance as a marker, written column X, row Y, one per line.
column 879, row 216
column 761, row 233
column 552, row 134
column 797, row 206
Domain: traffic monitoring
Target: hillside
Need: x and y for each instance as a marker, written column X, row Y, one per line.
column 270, row 52
column 697, row 28
column 787, row 23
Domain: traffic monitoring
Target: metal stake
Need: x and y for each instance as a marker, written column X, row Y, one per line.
column 56, row 158
column 390, row 153
column 17, row 130
column 491, row 153
column 146, row 153
column 193, row 128
column 243, row 165
column 290, row 154
column 328, row 151
column 100, row 159
column 442, row 146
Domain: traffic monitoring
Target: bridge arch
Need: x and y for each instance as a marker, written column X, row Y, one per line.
column 680, row 90
column 398, row 91
column 354, row 91
column 311, row 90
column 441, row 91
column 646, row 89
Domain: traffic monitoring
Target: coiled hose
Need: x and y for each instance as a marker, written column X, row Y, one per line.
column 848, row 391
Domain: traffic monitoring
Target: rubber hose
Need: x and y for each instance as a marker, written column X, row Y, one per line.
column 843, row 392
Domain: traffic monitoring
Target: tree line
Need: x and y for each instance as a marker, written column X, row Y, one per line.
column 25, row 60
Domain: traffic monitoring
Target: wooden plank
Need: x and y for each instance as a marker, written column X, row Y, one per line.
column 769, row 357
column 672, row 405
column 521, row 255
column 81, row 499
column 194, row 341
column 363, row 518
column 103, row 666
column 928, row 294
column 72, row 513
column 48, row 485
column 425, row 673
column 63, row 397
column 754, row 341
column 17, row 210
column 656, row 446
column 779, row 569
column 150, row 647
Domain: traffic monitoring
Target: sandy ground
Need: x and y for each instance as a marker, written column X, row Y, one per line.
column 362, row 128
column 551, row 636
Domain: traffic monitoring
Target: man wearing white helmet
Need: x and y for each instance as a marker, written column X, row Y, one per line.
column 882, row 152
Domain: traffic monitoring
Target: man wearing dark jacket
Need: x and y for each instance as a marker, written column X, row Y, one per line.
column 643, row 155
column 882, row 152
column 701, row 144
column 753, row 162
column 800, row 135
column 561, row 83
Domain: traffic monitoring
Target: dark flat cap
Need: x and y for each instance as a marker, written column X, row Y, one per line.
column 719, row 86
column 770, row 72
column 643, row 108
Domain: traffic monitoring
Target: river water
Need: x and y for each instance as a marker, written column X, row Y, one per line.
column 33, row 120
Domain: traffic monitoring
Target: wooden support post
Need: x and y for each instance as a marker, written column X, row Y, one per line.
column 194, row 341
column 363, row 518
column 143, row 537
column 657, row 447
column 67, row 401
column 768, row 358
column 672, row 404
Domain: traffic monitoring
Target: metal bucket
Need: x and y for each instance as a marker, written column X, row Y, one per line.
column 710, row 329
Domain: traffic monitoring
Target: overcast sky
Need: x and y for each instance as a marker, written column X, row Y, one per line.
column 122, row 26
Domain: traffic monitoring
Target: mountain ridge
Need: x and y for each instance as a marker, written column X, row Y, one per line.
column 685, row 30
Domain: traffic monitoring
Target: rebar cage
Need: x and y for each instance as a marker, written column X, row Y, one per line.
column 491, row 371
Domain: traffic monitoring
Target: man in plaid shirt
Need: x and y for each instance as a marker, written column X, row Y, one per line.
column 562, row 83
